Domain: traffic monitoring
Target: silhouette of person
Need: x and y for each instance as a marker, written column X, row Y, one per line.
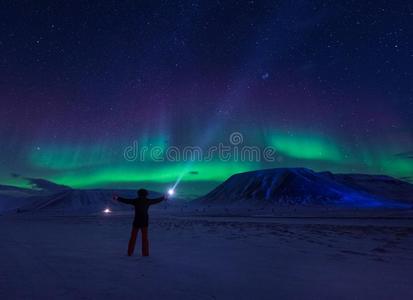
column 141, row 220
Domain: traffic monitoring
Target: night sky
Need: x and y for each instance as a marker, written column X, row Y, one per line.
column 329, row 84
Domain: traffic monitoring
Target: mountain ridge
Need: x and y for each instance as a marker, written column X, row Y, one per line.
column 302, row 186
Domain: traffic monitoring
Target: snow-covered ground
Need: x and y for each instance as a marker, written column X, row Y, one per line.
column 46, row 256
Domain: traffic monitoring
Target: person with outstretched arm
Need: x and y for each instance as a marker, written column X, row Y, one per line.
column 141, row 220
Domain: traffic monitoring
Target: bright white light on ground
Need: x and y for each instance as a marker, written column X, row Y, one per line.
column 171, row 192
column 107, row 211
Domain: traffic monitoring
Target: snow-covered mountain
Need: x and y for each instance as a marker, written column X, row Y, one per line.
column 13, row 199
column 300, row 186
column 272, row 187
column 85, row 201
column 378, row 185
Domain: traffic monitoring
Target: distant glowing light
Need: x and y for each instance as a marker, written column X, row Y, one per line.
column 171, row 192
column 107, row 211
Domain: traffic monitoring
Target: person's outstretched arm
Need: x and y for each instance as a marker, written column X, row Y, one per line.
column 123, row 200
column 156, row 200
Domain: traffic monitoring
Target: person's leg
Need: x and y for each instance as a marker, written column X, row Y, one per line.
column 132, row 240
column 145, row 241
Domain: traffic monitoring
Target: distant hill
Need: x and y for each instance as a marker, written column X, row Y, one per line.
column 82, row 201
column 300, row 186
column 65, row 200
column 378, row 185
column 271, row 187
column 11, row 197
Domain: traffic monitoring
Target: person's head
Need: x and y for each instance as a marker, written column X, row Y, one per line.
column 142, row 193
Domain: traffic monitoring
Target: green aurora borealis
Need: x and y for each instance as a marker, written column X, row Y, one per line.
column 104, row 166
